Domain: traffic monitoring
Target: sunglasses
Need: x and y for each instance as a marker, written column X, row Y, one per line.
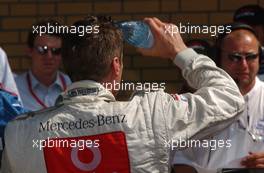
column 237, row 57
column 42, row 50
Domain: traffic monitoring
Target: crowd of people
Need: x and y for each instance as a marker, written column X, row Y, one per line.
column 45, row 117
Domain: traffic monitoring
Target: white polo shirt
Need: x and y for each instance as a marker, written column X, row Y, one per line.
column 239, row 134
column 6, row 77
column 35, row 95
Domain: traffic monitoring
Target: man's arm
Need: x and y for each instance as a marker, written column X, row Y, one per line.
column 217, row 98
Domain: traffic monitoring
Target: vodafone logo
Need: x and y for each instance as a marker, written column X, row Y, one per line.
column 111, row 156
column 97, row 157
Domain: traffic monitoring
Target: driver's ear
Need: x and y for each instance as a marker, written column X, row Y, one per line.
column 116, row 66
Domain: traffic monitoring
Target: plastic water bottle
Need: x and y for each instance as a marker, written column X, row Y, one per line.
column 136, row 33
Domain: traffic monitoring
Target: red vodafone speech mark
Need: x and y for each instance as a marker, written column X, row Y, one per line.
column 110, row 156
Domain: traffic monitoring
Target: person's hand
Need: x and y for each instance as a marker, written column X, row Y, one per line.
column 167, row 44
column 254, row 160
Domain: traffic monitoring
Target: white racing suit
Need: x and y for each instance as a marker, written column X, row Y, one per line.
column 132, row 136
